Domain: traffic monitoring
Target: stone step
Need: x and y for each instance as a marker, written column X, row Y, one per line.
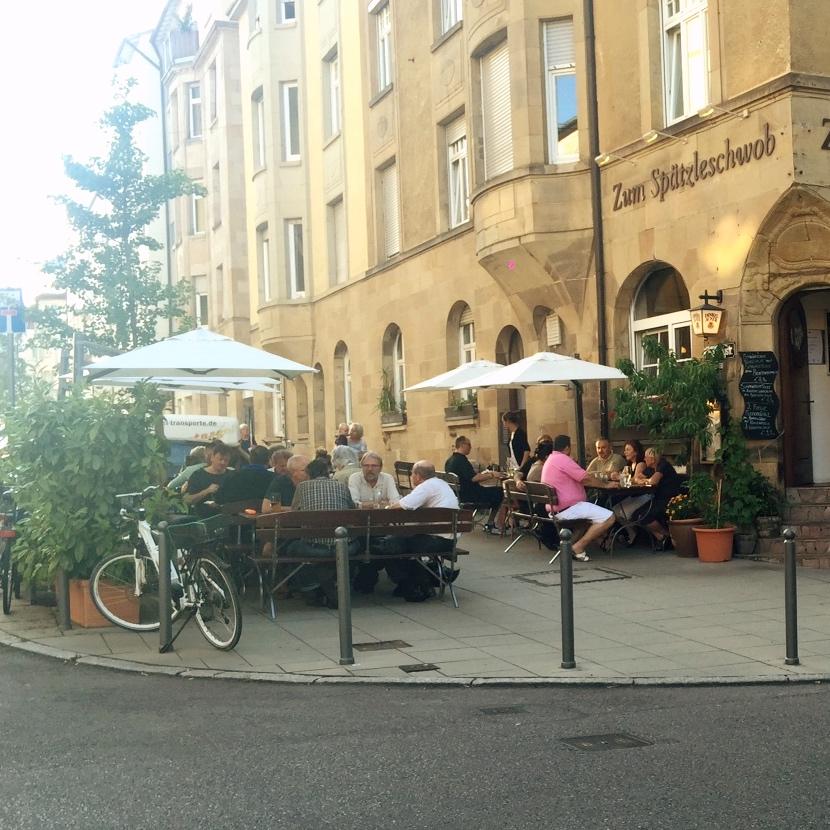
column 810, row 530
column 811, row 553
column 801, row 514
column 809, row 495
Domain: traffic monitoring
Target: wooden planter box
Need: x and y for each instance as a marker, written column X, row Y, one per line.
column 82, row 610
column 393, row 419
column 461, row 413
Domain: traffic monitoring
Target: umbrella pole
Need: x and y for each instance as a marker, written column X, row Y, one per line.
column 580, row 426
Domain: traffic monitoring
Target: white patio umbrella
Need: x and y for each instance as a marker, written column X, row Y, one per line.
column 549, row 369
column 213, row 385
column 200, row 354
column 464, row 373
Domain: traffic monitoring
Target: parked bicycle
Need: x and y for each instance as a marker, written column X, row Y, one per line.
column 9, row 577
column 125, row 586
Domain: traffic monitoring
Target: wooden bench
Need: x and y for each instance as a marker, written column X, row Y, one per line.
column 362, row 525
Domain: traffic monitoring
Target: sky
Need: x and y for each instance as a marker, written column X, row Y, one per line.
column 57, row 73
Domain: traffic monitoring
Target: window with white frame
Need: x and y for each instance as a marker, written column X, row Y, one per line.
column 290, row 121
column 197, row 213
column 398, row 368
column 253, row 16
column 331, row 93
column 287, row 10
column 213, row 91
column 277, row 406
column 263, row 247
column 496, row 112
column 685, row 57
column 338, row 263
column 173, row 119
column 258, row 132
column 347, row 385
column 560, row 90
column 390, row 210
column 383, row 45
column 661, row 311
column 216, row 195
column 451, row 13
column 466, row 337
column 458, row 184
column 202, row 309
column 294, row 255
column 194, row 119
column 553, row 330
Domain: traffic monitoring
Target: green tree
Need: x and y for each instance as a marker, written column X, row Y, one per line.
column 120, row 297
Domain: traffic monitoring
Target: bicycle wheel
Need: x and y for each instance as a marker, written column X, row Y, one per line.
column 217, row 604
column 125, row 589
column 6, row 575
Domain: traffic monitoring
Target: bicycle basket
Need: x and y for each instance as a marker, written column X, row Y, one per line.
column 201, row 531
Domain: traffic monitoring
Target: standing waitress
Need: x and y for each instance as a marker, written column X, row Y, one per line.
column 518, row 450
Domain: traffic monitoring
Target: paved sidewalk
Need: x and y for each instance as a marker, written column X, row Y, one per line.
column 641, row 617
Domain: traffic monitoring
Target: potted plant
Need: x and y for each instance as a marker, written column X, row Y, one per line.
column 392, row 411
column 462, row 407
column 683, row 514
column 768, row 520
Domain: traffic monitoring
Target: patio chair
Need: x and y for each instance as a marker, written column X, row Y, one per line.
column 640, row 518
column 402, row 471
column 518, row 514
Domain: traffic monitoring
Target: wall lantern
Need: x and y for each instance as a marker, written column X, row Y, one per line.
column 707, row 318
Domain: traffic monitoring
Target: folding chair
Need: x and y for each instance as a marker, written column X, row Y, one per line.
column 518, row 509
column 402, row 472
column 642, row 516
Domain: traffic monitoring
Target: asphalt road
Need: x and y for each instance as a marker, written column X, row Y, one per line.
column 91, row 748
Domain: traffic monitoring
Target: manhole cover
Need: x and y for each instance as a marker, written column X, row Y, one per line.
column 381, row 645
column 598, row 743
column 502, row 710
column 418, row 667
column 582, row 576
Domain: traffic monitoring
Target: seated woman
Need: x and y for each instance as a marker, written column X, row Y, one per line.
column 662, row 476
column 531, row 460
column 627, row 508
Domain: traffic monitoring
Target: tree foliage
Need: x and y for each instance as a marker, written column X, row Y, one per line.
column 120, row 297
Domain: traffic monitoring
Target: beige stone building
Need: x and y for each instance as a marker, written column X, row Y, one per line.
column 424, row 186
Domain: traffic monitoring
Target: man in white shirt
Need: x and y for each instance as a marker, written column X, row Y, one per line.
column 371, row 484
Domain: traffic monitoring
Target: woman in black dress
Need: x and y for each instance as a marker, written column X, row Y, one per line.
column 518, row 450
column 662, row 476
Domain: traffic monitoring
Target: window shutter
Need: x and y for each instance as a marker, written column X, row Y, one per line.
column 466, row 316
column 559, row 44
column 553, row 330
column 456, row 130
column 391, row 211
column 495, row 93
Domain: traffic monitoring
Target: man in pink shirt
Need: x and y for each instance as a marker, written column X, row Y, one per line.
column 569, row 479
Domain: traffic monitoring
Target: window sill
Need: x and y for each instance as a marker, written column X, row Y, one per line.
column 286, row 24
column 291, row 162
column 443, row 38
column 379, row 96
column 399, row 427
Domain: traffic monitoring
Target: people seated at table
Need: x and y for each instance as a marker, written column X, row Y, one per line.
column 322, row 452
column 200, row 489
column 471, row 490
column 544, row 438
column 606, row 461
column 414, row 582
column 197, row 459
column 568, row 479
column 279, row 460
column 250, row 482
column 370, row 486
column 318, row 492
column 345, row 462
column 355, row 438
column 283, row 487
column 661, row 475
column 627, row 509
column 518, row 450
column 246, row 440
column 540, row 456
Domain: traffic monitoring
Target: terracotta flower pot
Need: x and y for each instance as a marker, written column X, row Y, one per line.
column 714, row 544
column 82, row 610
column 683, row 537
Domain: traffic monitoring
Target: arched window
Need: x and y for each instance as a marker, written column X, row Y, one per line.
column 466, row 337
column 302, row 406
column 393, row 361
column 661, row 310
column 342, row 384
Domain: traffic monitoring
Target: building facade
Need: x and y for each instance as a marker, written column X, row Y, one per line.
column 423, row 186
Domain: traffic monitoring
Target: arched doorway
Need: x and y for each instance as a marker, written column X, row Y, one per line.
column 509, row 349
column 319, row 408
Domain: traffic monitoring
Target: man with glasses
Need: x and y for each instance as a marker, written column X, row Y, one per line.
column 371, row 486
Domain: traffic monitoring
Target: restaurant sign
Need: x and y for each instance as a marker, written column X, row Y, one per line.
column 686, row 174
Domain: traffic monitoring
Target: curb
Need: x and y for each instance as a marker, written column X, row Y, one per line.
column 114, row 664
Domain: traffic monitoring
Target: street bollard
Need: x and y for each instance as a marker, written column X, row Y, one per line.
column 566, row 602
column 790, row 598
column 344, row 597
column 62, row 599
column 165, row 596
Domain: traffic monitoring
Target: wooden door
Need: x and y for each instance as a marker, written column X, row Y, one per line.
column 795, row 394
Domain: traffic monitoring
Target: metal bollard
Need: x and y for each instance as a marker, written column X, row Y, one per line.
column 62, row 599
column 566, row 602
column 344, row 597
column 165, row 596
column 790, row 598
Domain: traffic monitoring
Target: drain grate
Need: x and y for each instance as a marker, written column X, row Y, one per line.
column 582, row 576
column 502, row 710
column 418, row 667
column 381, row 645
column 598, row 743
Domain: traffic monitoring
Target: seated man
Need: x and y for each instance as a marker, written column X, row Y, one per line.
column 345, row 462
column 282, row 488
column 318, row 492
column 200, row 489
column 565, row 476
column 606, row 461
column 414, row 583
column 471, row 491
column 372, row 485
column 250, row 482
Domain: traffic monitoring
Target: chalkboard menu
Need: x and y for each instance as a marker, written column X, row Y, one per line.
column 758, row 389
